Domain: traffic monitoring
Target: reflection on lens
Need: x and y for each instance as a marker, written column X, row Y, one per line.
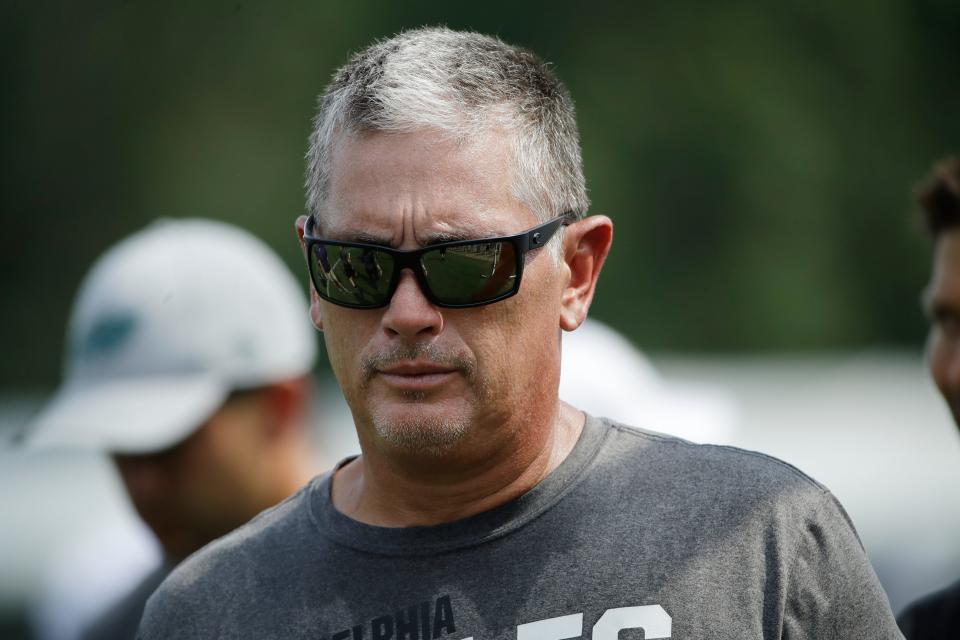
column 352, row 275
column 470, row 273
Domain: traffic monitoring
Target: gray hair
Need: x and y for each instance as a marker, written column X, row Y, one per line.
column 465, row 84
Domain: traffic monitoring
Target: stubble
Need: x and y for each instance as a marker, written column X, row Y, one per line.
column 425, row 432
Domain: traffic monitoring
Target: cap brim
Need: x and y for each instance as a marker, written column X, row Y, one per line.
column 136, row 415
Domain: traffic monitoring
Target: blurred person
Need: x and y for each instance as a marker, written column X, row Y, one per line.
column 938, row 615
column 189, row 352
column 633, row 391
column 482, row 506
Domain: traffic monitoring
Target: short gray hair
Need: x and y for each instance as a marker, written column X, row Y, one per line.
column 465, row 84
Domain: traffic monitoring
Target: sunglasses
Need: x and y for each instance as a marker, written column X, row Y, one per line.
column 459, row 274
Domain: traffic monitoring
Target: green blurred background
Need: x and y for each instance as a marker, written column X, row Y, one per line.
column 757, row 158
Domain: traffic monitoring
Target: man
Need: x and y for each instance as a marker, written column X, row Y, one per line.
column 188, row 361
column 482, row 506
column 938, row 615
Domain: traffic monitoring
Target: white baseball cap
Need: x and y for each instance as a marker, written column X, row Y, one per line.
column 631, row 389
column 166, row 325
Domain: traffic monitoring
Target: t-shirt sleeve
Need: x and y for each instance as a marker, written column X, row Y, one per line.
column 833, row 591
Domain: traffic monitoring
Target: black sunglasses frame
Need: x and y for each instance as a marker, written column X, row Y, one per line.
column 522, row 242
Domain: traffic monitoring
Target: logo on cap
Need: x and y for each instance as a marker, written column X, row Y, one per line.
column 109, row 333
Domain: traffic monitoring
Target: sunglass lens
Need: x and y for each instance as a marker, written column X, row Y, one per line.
column 472, row 273
column 354, row 276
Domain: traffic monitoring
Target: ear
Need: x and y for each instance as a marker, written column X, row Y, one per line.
column 285, row 403
column 585, row 245
column 315, row 316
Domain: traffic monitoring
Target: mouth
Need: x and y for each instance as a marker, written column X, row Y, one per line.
column 416, row 375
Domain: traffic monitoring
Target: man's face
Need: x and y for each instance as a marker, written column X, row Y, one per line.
column 943, row 308
column 419, row 377
column 205, row 486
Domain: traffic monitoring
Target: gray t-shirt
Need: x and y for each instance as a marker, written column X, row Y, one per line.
column 634, row 530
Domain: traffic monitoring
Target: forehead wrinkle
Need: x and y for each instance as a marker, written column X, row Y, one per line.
column 431, row 229
column 446, row 230
column 435, row 190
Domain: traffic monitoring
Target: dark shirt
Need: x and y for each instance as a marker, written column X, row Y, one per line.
column 934, row 616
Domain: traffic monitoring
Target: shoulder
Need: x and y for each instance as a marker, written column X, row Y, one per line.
column 707, row 468
column 703, row 485
column 254, row 553
column 778, row 527
column 257, row 541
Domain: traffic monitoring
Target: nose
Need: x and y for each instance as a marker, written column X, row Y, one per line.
column 410, row 315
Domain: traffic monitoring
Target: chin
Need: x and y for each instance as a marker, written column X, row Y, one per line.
column 419, row 431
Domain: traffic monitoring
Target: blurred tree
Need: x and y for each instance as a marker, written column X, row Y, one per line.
column 757, row 159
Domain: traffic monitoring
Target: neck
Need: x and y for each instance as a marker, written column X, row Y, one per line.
column 384, row 489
